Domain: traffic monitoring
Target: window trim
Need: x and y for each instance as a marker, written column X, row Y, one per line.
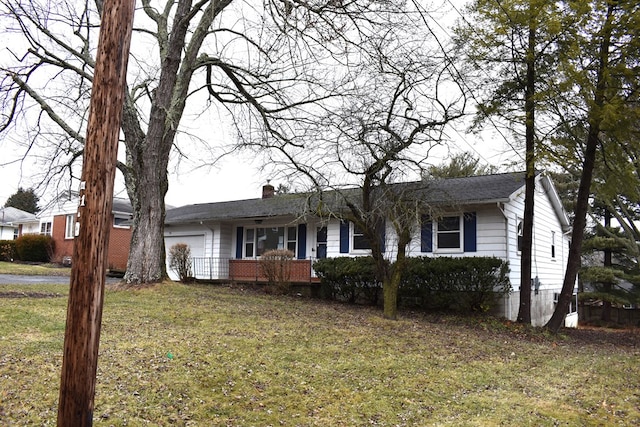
column 70, row 226
column 122, row 217
column 459, row 232
column 519, row 234
column 253, row 231
column 553, row 245
column 46, row 228
column 352, row 240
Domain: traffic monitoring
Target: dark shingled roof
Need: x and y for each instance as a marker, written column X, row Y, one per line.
column 455, row 191
column 474, row 189
column 121, row 205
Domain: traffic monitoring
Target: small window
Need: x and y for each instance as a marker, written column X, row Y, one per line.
column 249, row 242
column 520, row 233
column 448, row 232
column 121, row 222
column 292, row 238
column 70, row 228
column 553, row 244
column 360, row 242
column 45, row 228
column 16, row 233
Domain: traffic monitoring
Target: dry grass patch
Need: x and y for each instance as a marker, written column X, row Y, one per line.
column 215, row 356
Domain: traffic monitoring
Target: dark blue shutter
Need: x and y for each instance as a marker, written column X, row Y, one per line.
column 344, row 237
column 302, row 241
column 239, row 242
column 470, row 225
column 426, row 235
column 383, row 236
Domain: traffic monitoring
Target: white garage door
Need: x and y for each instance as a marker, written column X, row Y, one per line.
column 196, row 245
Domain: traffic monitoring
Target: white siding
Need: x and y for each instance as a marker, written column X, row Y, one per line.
column 550, row 271
column 491, row 231
column 223, row 243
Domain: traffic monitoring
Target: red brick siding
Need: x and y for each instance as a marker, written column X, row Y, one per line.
column 61, row 247
column 119, row 241
column 249, row 270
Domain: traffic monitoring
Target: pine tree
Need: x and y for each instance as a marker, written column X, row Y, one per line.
column 25, row 200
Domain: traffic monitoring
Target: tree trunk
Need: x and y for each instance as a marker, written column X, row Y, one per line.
column 146, row 262
column 524, row 313
column 392, row 280
column 606, row 305
column 148, row 158
column 86, row 291
column 582, row 202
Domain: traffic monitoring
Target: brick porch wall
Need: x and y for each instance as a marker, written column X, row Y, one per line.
column 249, row 270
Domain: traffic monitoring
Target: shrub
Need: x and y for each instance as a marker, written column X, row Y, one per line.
column 460, row 284
column 180, row 261
column 349, row 279
column 8, row 250
column 34, row 248
column 276, row 267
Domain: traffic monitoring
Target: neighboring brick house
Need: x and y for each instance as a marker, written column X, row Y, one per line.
column 59, row 221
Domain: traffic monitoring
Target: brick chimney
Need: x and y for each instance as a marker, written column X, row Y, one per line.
column 268, row 191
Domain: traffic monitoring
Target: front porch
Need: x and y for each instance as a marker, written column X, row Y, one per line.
column 248, row 270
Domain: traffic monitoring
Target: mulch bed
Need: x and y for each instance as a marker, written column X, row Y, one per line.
column 17, row 294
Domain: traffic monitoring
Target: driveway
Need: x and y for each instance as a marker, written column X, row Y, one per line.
column 16, row 279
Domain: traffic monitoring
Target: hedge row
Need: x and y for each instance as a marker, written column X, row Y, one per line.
column 443, row 283
column 28, row 247
column 8, row 250
column 348, row 279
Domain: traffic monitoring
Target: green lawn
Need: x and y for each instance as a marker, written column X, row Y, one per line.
column 214, row 356
column 33, row 269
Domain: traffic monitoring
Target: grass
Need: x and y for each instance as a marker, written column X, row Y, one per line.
column 33, row 269
column 215, row 356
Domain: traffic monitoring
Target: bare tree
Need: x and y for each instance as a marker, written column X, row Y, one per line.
column 270, row 61
column 403, row 95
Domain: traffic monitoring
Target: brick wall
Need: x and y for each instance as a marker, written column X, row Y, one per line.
column 119, row 242
column 249, row 270
column 62, row 247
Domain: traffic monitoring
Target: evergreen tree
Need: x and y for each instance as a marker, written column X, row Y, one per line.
column 511, row 45
column 25, row 200
column 459, row 166
column 598, row 106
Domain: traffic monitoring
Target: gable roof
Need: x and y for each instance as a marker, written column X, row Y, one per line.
column 471, row 190
column 67, row 203
column 121, row 205
column 460, row 191
column 10, row 215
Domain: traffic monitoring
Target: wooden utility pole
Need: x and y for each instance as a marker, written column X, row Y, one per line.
column 86, row 292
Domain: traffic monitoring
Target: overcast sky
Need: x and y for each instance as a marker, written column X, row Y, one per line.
column 232, row 178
